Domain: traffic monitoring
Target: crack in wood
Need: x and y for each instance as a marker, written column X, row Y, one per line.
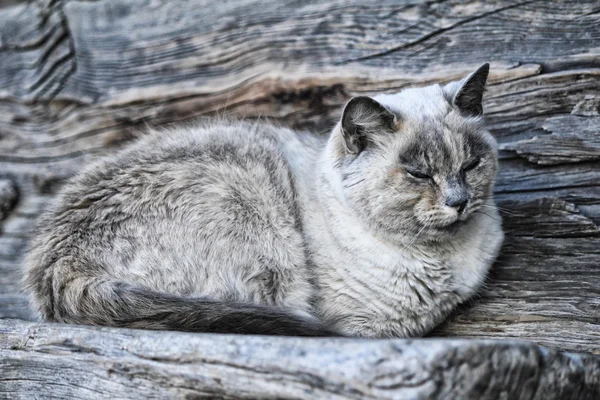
column 435, row 33
column 62, row 82
column 50, row 83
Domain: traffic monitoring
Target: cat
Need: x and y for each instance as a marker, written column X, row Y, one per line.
column 379, row 230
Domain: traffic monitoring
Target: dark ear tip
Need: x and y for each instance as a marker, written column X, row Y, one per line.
column 364, row 116
column 483, row 70
column 360, row 100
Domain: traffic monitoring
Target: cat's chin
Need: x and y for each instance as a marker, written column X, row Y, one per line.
column 454, row 226
column 444, row 232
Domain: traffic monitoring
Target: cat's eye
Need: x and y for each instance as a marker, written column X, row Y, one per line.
column 417, row 174
column 472, row 165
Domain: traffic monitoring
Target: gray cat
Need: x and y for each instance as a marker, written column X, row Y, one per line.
column 380, row 230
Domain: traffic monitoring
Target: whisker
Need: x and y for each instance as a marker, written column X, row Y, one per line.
column 508, row 213
column 415, row 238
column 502, row 210
column 488, row 215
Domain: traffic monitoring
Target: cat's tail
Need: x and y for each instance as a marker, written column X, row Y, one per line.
column 116, row 304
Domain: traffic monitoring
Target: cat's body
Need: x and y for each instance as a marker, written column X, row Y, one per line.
column 250, row 228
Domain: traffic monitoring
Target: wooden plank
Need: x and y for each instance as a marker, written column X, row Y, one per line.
column 572, row 139
column 157, row 58
column 51, row 360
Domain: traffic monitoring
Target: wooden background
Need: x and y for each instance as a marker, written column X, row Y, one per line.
column 80, row 78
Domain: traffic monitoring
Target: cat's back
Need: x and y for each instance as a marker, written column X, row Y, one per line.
column 168, row 173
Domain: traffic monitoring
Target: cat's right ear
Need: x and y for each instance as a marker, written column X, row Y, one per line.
column 363, row 118
column 467, row 94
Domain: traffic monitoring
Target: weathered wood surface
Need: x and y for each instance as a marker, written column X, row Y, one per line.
column 80, row 78
column 84, row 363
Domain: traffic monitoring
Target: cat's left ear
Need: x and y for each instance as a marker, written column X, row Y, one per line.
column 363, row 119
column 467, row 94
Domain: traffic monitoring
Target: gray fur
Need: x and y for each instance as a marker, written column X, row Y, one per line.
column 251, row 228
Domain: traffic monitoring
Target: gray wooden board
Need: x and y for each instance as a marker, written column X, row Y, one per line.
column 50, row 360
column 81, row 78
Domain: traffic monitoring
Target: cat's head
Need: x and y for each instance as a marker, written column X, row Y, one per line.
column 419, row 162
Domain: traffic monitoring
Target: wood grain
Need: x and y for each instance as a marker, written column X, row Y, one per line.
column 569, row 139
column 79, row 79
column 104, row 363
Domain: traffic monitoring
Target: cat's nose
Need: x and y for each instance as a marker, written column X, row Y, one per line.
column 459, row 203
